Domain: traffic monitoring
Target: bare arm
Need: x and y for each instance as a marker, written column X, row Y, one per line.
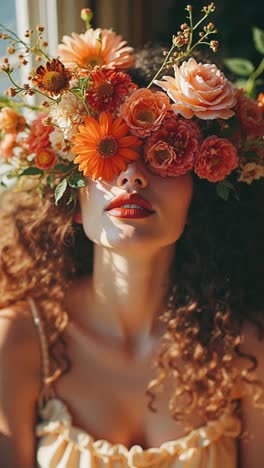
column 19, row 387
column 252, row 445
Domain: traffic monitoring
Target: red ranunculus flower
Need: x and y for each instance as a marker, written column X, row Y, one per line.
column 172, row 149
column 217, row 159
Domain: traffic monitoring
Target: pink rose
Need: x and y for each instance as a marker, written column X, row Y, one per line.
column 172, row 149
column 217, row 159
column 144, row 111
column 38, row 138
column 200, row 90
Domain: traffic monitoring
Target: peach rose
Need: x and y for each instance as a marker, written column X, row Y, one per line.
column 7, row 145
column 200, row 90
column 217, row 159
column 46, row 159
column 172, row 149
column 144, row 111
column 250, row 172
column 10, row 121
column 38, row 138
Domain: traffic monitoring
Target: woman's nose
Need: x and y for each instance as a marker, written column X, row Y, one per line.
column 135, row 176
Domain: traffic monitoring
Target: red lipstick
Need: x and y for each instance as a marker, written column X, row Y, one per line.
column 130, row 205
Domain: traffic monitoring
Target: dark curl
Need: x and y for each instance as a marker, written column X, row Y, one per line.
column 216, row 287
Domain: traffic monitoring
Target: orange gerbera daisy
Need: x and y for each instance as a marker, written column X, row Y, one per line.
column 104, row 148
column 101, row 47
column 53, row 79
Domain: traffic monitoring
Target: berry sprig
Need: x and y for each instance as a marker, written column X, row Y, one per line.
column 183, row 43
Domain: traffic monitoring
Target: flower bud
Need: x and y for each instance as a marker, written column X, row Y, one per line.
column 86, row 16
column 184, row 26
column 11, row 92
column 214, row 45
column 45, row 104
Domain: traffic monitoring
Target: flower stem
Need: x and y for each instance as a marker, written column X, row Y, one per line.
column 162, row 66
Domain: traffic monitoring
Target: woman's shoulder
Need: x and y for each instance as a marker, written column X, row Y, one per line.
column 16, row 325
column 20, row 384
column 19, row 341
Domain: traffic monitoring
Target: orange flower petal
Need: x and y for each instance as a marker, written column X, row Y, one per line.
column 108, row 171
column 84, row 157
column 119, row 128
column 129, row 141
column 92, row 127
column 119, row 164
column 84, row 132
column 128, row 153
column 105, row 122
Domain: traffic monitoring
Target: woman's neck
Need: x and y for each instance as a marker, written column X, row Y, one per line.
column 126, row 293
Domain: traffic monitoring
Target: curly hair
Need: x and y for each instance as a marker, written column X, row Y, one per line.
column 216, row 285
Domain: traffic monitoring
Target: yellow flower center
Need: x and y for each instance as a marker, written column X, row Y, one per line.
column 44, row 157
column 104, row 89
column 107, row 147
column 94, row 60
column 53, row 81
column 145, row 116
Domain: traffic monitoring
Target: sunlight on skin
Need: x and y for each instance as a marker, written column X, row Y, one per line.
column 132, row 257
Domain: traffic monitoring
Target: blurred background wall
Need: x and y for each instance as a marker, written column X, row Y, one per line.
column 139, row 21
column 156, row 20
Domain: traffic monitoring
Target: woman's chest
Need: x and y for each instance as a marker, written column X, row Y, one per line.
column 107, row 398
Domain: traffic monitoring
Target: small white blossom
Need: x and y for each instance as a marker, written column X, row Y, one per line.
column 61, row 146
column 68, row 114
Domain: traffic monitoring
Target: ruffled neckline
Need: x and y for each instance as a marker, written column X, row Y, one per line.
column 56, row 420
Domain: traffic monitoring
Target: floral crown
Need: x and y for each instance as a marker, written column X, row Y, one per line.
column 95, row 120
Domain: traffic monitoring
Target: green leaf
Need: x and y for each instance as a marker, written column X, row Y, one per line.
column 241, row 84
column 224, row 188
column 239, row 66
column 77, row 181
column 50, row 180
column 32, row 171
column 61, row 168
column 222, row 191
column 60, row 189
column 258, row 36
column 72, row 198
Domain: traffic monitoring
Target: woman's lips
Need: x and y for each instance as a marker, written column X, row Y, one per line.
column 130, row 206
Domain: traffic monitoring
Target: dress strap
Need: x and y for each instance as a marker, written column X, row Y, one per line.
column 47, row 391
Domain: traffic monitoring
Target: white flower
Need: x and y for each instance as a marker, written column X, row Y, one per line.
column 251, row 171
column 68, row 114
column 61, row 146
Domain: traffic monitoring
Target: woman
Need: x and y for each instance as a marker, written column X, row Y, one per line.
column 145, row 270
column 172, row 261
